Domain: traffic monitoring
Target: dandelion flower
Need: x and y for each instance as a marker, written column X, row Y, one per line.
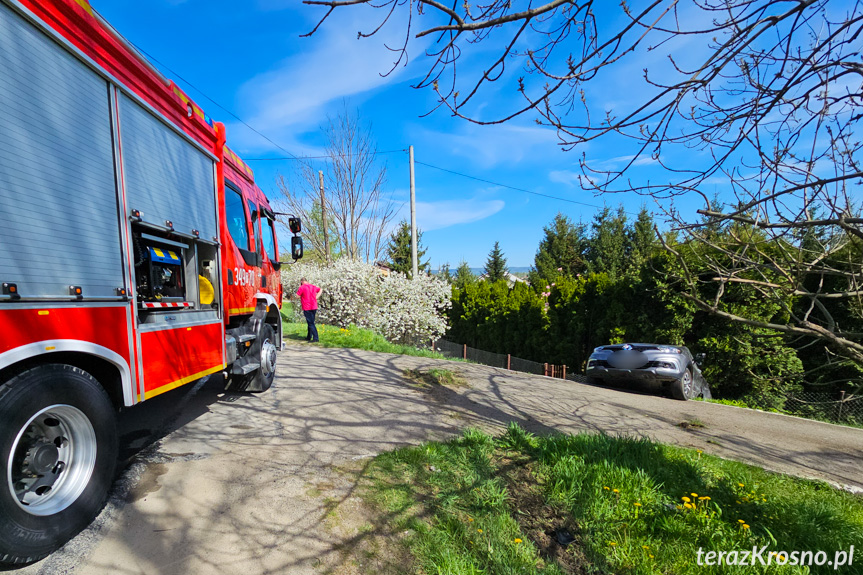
column 741, row 485
column 645, row 546
column 637, row 504
column 698, row 451
column 704, row 498
column 694, row 494
column 605, row 487
column 612, row 543
column 685, row 499
column 615, row 490
column 741, row 521
column 688, row 505
column 651, row 556
column 479, row 530
column 470, row 519
column 745, row 526
column 516, row 540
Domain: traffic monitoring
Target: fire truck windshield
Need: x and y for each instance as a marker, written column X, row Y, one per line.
column 236, row 215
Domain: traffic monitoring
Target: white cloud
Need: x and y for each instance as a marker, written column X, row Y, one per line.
column 565, row 177
column 490, row 146
column 446, row 213
column 334, row 65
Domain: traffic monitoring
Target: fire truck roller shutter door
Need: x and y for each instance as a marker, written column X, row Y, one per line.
column 167, row 178
column 59, row 223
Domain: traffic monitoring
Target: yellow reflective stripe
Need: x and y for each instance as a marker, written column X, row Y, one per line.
column 183, row 381
column 237, row 310
column 86, row 6
column 181, row 95
column 159, row 252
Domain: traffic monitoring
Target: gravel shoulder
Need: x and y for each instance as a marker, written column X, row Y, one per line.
column 250, row 484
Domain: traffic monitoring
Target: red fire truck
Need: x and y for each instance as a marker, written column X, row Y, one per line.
column 136, row 255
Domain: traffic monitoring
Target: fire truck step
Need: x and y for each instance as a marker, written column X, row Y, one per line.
column 247, row 337
column 245, row 368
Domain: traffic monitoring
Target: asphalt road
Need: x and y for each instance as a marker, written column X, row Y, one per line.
column 220, row 483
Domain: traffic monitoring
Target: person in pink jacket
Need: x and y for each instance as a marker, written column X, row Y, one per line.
column 308, row 294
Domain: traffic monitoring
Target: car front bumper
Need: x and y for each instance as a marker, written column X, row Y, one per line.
column 657, row 376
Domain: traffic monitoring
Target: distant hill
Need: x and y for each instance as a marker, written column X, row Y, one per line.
column 480, row 271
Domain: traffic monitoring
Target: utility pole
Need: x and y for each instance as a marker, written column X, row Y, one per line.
column 324, row 218
column 413, row 218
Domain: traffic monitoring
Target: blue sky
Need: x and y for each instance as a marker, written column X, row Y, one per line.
column 249, row 57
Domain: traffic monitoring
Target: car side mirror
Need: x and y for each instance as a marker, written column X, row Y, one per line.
column 296, row 247
column 700, row 357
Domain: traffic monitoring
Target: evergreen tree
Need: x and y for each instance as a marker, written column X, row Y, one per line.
column 642, row 241
column 561, row 251
column 463, row 276
column 444, row 273
column 607, row 249
column 495, row 265
column 399, row 250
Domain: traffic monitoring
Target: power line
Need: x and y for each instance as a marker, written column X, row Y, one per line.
column 291, row 156
column 320, row 157
column 511, row 187
column 202, row 93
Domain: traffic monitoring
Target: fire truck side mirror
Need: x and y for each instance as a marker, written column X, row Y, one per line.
column 296, row 227
column 296, row 247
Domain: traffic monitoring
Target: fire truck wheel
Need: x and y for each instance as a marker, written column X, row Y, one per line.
column 264, row 350
column 58, row 450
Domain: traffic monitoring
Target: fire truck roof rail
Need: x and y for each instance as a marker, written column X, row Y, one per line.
column 130, row 47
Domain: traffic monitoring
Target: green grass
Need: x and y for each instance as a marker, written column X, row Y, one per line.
column 436, row 376
column 479, row 504
column 352, row 336
column 812, row 416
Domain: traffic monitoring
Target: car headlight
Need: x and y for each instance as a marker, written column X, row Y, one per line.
column 666, row 349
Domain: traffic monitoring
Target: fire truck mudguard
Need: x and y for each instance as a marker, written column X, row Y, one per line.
column 58, row 449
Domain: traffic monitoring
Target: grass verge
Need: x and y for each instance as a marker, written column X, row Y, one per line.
column 587, row 503
column 812, row 416
column 436, row 376
column 353, row 337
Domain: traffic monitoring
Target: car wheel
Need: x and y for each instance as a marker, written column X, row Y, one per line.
column 58, row 451
column 682, row 388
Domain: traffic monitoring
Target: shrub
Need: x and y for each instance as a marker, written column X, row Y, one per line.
column 400, row 309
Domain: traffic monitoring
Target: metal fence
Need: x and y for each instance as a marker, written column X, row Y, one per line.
column 839, row 408
column 835, row 408
column 504, row 361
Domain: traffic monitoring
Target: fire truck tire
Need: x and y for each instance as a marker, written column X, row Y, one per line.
column 58, row 451
column 264, row 351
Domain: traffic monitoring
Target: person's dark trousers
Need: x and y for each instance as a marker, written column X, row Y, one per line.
column 310, row 320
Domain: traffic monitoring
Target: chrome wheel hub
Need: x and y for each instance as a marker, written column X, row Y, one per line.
column 687, row 384
column 268, row 358
column 53, row 457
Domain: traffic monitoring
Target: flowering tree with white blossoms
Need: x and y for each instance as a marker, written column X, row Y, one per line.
column 400, row 309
